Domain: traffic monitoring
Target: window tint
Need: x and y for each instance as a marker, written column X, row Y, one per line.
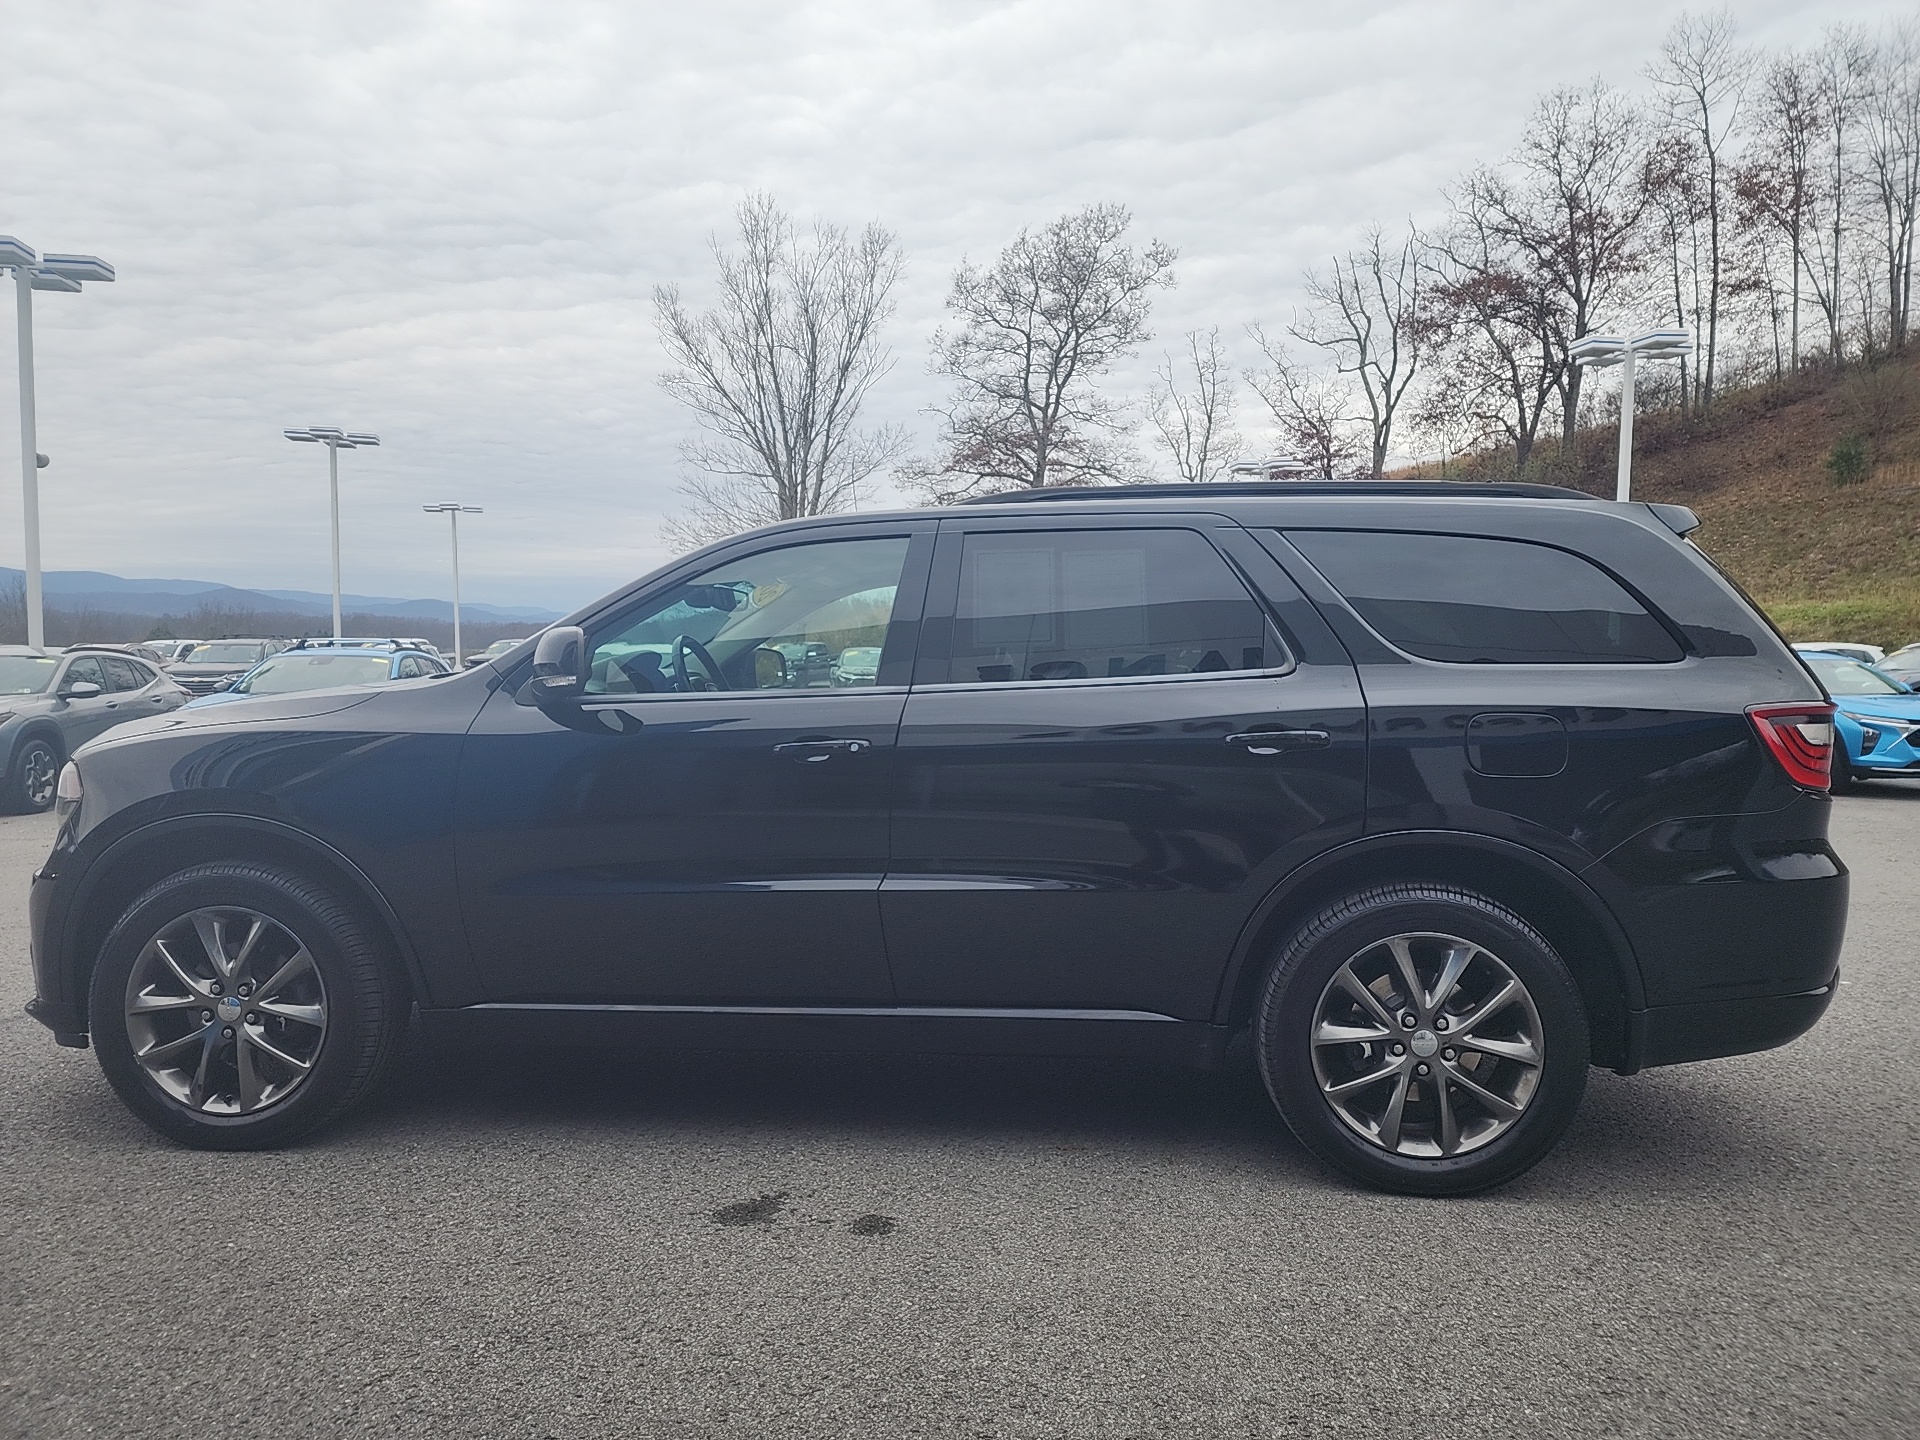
column 1094, row 604
column 85, row 668
column 126, row 674
column 1454, row 597
column 779, row 620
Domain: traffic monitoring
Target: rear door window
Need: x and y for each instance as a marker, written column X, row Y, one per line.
column 1102, row 604
column 126, row 674
column 1487, row 602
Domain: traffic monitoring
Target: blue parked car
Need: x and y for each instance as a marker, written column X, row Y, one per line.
column 1879, row 719
column 325, row 665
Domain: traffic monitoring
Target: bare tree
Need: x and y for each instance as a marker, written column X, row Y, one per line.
column 1843, row 64
column 1673, row 180
column 777, row 373
column 1196, row 425
column 1494, row 334
column 1570, row 202
column 1775, row 186
column 1367, row 316
column 1704, row 73
column 1033, row 332
column 1315, row 416
column 1892, row 164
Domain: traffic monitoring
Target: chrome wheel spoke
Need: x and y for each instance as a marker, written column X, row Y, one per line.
column 299, row 1014
column 1449, row 1124
column 296, row 965
column 213, row 937
column 157, row 1055
column 1332, row 1033
column 198, row 1094
column 261, row 1043
column 1370, row 1002
column 1499, row 1104
column 1479, row 1015
column 252, row 1051
column 250, row 1085
column 254, row 932
column 1394, row 1116
column 1361, row 1082
column 1522, row 1050
column 1458, row 958
column 195, row 985
column 150, row 1004
column 1402, row 951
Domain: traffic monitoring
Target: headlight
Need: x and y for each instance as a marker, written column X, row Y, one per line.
column 66, row 795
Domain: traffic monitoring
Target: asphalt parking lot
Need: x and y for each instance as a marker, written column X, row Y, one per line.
column 528, row 1245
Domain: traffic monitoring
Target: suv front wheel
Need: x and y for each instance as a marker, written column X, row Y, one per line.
column 238, row 1006
column 1423, row 1039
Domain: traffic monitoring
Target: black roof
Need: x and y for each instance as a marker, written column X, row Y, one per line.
column 1268, row 489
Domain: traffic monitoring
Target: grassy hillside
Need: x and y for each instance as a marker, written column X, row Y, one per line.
column 1829, row 561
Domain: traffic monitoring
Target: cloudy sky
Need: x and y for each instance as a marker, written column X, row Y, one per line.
column 441, row 222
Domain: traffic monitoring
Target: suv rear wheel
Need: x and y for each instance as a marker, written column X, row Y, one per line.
column 1423, row 1039
column 238, row 1006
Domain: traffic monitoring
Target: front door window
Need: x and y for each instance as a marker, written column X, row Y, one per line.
column 802, row 617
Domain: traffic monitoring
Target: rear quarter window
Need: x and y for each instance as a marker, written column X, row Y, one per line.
column 1487, row 602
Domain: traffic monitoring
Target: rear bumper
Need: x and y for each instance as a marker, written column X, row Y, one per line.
column 1709, row 1030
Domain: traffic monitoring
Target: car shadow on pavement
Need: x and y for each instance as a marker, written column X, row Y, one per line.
column 1681, row 1129
column 1090, row 1102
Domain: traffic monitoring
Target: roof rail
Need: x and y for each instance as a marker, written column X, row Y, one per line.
column 1411, row 489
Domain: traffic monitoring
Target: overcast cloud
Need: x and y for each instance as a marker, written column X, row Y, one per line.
column 441, row 222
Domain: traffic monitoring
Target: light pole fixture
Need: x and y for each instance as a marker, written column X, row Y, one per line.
column 33, row 271
column 1603, row 350
column 453, row 512
column 335, row 441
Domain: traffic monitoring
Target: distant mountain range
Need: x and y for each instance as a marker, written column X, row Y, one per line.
column 94, row 590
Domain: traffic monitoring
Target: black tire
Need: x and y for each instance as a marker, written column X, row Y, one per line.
column 1360, row 925
column 1844, row 779
column 364, row 1001
column 29, row 787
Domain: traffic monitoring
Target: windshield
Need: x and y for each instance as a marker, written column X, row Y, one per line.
column 226, row 654
column 1850, row 677
column 26, row 674
column 285, row 674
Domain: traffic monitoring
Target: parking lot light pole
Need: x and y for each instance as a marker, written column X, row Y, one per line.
column 335, row 441
column 31, row 272
column 453, row 512
column 1603, row 350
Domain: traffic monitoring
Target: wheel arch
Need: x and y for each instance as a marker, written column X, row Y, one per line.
column 160, row 848
column 39, row 728
column 1553, row 899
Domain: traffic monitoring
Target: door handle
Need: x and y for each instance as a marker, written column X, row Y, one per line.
column 812, row 752
column 1272, row 742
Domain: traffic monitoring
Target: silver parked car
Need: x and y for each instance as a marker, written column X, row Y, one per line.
column 51, row 704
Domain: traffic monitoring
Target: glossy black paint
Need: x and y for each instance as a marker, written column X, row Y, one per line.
column 1087, row 866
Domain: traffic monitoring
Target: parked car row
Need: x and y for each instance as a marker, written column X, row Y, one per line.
column 53, row 701
column 1877, row 715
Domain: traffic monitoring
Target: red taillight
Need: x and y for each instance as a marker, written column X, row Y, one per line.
column 1800, row 737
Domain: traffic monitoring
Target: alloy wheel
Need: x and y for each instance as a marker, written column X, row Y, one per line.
column 1427, row 1045
column 226, row 1010
column 40, row 773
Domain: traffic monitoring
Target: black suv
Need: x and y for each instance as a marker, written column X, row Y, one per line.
column 1441, row 793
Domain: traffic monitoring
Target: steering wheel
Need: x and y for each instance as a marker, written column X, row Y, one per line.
column 683, row 677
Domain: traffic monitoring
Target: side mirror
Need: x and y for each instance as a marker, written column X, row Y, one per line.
column 227, row 683
column 80, row 690
column 771, row 670
column 559, row 666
